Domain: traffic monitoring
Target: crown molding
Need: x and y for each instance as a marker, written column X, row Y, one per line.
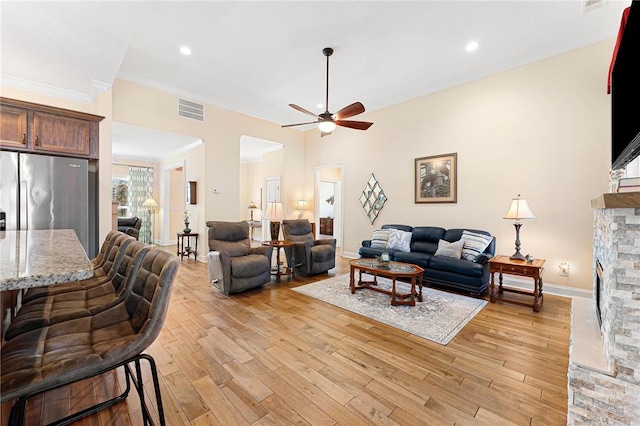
column 46, row 89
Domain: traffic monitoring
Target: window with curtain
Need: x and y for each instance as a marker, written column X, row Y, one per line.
column 141, row 188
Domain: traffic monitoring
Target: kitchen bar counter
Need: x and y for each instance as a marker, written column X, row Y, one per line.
column 40, row 258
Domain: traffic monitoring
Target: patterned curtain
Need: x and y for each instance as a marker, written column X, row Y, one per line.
column 141, row 188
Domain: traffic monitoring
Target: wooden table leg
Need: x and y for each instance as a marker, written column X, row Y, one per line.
column 492, row 288
column 352, row 284
column 277, row 264
column 293, row 263
column 537, row 294
column 393, row 292
column 419, row 278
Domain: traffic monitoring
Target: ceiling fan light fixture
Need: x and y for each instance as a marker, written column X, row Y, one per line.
column 326, row 126
column 328, row 121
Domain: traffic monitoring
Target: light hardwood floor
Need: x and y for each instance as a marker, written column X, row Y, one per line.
column 272, row 356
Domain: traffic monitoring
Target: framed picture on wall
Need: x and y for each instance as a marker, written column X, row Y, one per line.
column 436, row 179
column 191, row 193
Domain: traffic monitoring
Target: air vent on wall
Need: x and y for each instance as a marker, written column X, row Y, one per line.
column 190, row 109
column 591, row 4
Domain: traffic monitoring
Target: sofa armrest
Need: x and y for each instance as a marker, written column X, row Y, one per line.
column 263, row 250
column 327, row 241
column 302, row 251
column 366, row 243
column 219, row 265
column 483, row 258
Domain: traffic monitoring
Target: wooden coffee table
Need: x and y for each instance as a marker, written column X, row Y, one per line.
column 393, row 271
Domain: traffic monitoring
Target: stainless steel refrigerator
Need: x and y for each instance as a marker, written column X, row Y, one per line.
column 45, row 192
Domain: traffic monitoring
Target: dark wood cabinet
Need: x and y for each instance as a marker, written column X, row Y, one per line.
column 13, row 126
column 30, row 127
column 326, row 226
column 57, row 133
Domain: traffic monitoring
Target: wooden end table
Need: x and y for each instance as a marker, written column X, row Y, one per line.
column 289, row 270
column 504, row 265
column 394, row 270
column 187, row 250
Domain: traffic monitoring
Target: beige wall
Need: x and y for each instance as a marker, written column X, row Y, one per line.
column 251, row 183
column 176, row 203
column 218, row 165
column 542, row 130
column 173, row 203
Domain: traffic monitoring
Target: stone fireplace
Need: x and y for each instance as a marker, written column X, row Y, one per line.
column 604, row 364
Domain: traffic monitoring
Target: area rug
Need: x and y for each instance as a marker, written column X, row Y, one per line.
column 439, row 317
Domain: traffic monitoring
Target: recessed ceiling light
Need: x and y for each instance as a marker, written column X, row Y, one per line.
column 185, row 51
column 471, row 46
column 320, row 106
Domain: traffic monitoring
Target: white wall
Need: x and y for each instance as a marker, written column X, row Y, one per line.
column 542, row 130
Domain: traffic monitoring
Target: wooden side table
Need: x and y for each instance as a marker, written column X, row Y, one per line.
column 504, row 265
column 290, row 269
column 187, row 250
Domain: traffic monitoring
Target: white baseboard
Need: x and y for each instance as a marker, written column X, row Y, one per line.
column 547, row 288
column 350, row 255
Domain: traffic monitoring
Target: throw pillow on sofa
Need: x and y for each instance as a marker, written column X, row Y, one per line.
column 399, row 240
column 474, row 244
column 447, row 249
column 380, row 239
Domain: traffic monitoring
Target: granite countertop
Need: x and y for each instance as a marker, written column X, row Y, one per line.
column 40, row 258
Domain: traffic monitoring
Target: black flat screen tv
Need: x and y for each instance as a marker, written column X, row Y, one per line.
column 625, row 93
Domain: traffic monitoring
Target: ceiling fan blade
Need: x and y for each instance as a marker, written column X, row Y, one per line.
column 351, row 110
column 360, row 125
column 300, row 124
column 296, row 107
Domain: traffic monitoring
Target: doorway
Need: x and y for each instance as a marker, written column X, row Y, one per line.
column 173, row 199
column 328, row 189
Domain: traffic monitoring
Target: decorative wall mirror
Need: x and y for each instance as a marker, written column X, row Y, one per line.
column 372, row 198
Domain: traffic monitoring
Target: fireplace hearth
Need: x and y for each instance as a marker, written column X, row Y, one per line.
column 608, row 393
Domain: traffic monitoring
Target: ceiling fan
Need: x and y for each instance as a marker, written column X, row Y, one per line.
column 327, row 121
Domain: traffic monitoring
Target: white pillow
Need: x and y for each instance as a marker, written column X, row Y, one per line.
column 399, row 240
column 447, row 249
column 474, row 244
column 380, row 238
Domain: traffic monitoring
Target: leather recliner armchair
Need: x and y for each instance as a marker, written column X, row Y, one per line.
column 312, row 256
column 234, row 265
column 130, row 226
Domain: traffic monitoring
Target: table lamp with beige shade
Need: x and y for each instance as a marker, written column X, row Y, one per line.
column 518, row 210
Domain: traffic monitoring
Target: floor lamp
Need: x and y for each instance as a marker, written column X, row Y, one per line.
column 150, row 204
column 252, row 206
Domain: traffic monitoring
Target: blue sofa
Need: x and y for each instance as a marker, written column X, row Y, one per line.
column 459, row 274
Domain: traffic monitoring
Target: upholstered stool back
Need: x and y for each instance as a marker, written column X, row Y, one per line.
column 74, row 350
